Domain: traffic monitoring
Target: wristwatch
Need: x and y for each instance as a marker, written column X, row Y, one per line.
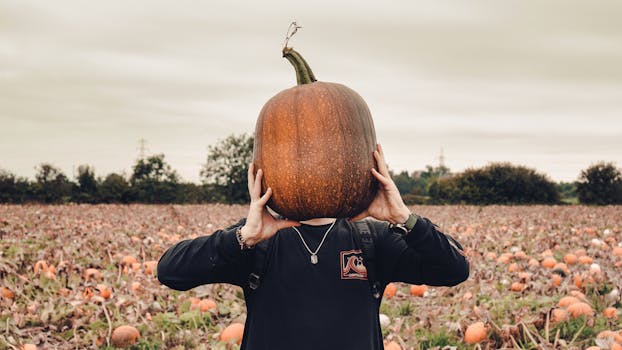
column 408, row 225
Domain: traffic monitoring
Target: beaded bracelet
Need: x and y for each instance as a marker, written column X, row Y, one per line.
column 241, row 240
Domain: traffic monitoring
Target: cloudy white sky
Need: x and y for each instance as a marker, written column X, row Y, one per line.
column 536, row 83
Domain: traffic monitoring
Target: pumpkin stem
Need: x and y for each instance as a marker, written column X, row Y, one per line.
column 304, row 74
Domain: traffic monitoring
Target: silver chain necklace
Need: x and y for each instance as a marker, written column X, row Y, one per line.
column 314, row 254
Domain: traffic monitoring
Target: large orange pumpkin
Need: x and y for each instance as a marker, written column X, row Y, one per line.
column 315, row 143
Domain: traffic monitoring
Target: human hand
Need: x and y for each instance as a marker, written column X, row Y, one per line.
column 388, row 204
column 260, row 224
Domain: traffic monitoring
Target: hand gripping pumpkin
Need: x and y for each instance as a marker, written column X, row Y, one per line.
column 315, row 144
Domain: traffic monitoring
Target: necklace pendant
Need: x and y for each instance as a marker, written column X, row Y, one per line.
column 313, row 259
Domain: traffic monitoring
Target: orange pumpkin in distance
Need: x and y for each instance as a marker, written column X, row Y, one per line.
column 611, row 312
column 7, row 293
column 234, row 332
column 390, row 290
column 580, row 309
column 418, row 290
column 559, row 315
column 567, row 301
column 314, row 143
column 124, row 336
column 549, row 262
column 206, row 305
column 392, row 345
column 517, row 287
column 475, row 333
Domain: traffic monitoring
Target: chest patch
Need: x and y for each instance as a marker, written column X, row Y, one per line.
column 352, row 266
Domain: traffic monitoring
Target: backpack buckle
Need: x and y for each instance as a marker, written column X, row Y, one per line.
column 254, row 281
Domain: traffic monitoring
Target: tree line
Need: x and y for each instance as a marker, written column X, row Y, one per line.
column 223, row 179
column 152, row 181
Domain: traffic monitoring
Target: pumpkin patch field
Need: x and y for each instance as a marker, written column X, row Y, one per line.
column 83, row 276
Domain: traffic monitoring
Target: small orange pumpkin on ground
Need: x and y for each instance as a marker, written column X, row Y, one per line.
column 206, row 305
column 556, row 280
column 92, row 274
column 547, row 253
column 128, row 260
column 524, row 276
column 549, row 262
column 571, row 259
column 390, row 290
column 28, row 347
column 150, row 266
column 585, row 260
column 503, row 259
column 104, row 291
column 40, row 267
column 580, row 309
column 124, row 335
column 7, row 293
column 578, row 295
column 233, row 332
column 561, row 268
column 136, row 287
column 418, row 290
column 513, row 267
column 611, row 313
column 517, row 287
column 475, row 333
column 559, row 315
column 578, row 281
column 567, row 301
column 392, row 346
column 610, row 334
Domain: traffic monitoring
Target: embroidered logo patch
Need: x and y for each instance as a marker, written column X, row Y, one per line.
column 352, row 266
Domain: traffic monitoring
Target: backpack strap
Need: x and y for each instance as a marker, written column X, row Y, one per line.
column 364, row 237
column 259, row 263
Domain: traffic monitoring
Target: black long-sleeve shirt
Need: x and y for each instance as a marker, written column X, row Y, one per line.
column 328, row 305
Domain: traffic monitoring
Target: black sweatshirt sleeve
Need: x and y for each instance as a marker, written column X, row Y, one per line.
column 216, row 258
column 423, row 256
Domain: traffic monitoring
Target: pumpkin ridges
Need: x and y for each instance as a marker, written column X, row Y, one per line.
column 368, row 142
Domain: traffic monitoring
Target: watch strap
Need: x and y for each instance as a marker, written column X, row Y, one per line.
column 410, row 223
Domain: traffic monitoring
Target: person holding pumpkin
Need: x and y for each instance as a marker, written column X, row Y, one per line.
column 315, row 280
column 314, row 291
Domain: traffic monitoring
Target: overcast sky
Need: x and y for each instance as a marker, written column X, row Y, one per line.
column 536, row 83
